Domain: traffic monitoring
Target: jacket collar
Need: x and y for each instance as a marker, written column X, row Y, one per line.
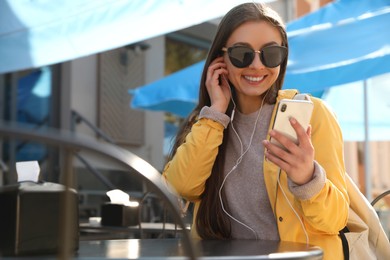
column 286, row 93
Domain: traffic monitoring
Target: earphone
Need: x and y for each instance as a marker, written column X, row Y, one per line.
column 299, row 96
column 291, row 206
column 233, row 111
column 241, row 155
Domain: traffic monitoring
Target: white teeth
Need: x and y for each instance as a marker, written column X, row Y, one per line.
column 257, row 79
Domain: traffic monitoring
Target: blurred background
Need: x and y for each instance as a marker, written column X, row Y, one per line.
column 127, row 73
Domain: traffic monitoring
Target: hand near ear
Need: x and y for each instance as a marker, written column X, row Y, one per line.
column 217, row 85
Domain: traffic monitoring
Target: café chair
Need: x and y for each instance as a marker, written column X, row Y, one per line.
column 383, row 214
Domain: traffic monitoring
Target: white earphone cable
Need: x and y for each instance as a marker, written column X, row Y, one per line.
column 240, row 157
column 239, row 161
column 296, row 214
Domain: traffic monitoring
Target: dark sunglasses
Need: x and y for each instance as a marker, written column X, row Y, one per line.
column 242, row 56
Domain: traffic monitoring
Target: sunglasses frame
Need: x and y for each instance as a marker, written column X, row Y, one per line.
column 229, row 49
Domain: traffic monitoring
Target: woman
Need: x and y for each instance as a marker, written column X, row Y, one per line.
column 243, row 186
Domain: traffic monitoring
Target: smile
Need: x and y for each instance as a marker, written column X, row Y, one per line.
column 254, row 79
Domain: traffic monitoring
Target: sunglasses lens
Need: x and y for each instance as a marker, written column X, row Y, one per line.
column 241, row 56
column 273, row 56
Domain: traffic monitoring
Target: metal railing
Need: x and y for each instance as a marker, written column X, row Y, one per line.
column 77, row 118
column 71, row 142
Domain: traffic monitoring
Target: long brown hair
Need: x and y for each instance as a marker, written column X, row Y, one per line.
column 211, row 222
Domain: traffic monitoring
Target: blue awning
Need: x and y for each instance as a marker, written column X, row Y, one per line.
column 343, row 42
column 338, row 44
column 176, row 93
column 39, row 33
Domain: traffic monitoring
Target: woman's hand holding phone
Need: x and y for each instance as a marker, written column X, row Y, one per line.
column 290, row 147
column 217, row 86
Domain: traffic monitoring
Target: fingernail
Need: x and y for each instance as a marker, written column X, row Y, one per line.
column 293, row 120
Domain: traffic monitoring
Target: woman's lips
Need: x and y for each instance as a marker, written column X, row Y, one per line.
column 254, row 79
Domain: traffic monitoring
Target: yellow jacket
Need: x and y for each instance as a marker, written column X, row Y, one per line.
column 323, row 215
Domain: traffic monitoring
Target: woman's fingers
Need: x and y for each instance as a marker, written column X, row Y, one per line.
column 302, row 134
column 295, row 159
column 217, row 85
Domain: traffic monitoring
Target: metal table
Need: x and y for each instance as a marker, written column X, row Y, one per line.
column 173, row 249
column 147, row 230
column 207, row 249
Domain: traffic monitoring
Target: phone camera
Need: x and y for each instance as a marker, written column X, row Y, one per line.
column 283, row 108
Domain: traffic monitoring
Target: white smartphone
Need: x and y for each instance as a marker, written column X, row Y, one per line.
column 301, row 110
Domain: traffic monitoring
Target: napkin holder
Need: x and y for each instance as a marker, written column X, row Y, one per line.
column 119, row 215
column 31, row 218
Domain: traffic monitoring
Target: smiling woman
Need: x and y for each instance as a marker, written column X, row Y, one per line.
column 243, row 186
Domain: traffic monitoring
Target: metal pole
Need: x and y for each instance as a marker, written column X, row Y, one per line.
column 367, row 170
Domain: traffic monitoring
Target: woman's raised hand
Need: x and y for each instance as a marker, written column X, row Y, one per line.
column 217, row 85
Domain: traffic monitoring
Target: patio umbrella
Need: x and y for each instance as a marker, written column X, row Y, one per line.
column 176, row 93
column 342, row 42
column 40, row 33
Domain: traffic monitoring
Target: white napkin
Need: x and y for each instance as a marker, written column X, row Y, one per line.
column 28, row 171
column 120, row 197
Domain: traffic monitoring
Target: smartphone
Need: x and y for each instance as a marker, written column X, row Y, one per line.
column 301, row 110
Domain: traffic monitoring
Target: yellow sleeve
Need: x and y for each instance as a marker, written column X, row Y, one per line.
column 191, row 166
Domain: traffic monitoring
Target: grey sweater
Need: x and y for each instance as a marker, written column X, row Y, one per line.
column 248, row 203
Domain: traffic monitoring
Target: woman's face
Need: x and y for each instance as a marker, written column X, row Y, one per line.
column 254, row 80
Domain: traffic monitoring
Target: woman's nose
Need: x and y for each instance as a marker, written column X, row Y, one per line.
column 257, row 63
